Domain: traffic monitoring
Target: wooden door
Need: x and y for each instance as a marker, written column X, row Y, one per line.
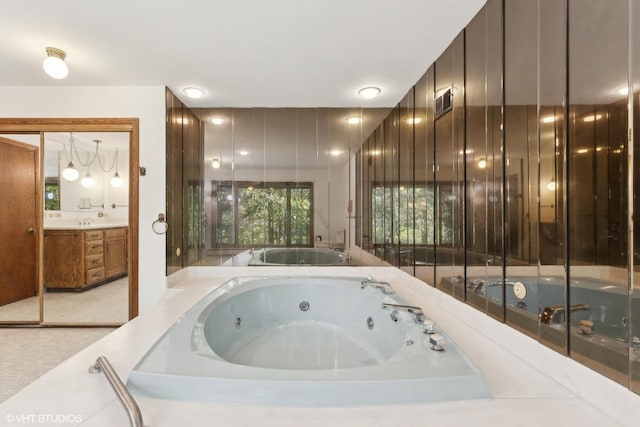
column 18, row 221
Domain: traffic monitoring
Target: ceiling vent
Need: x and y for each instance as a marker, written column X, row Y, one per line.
column 444, row 103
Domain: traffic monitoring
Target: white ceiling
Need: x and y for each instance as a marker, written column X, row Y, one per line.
column 243, row 53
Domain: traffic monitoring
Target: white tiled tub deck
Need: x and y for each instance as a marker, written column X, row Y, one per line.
column 530, row 385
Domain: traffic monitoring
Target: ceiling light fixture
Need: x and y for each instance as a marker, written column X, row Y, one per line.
column 87, row 181
column 217, row 121
column 369, row 92
column 215, row 163
column 70, row 173
column 548, row 119
column 482, row 163
column 551, row 186
column 335, row 152
column 116, row 181
column 592, row 118
column 624, row 91
column 54, row 64
column 354, row 120
column 193, row 92
column 243, row 152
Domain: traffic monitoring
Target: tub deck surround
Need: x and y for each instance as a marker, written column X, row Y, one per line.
column 303, row 341
column 529, row 384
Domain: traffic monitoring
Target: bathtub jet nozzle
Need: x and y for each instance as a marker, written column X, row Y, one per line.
column 416, row 311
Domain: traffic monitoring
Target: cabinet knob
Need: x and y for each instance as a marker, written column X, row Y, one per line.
column 31, row 230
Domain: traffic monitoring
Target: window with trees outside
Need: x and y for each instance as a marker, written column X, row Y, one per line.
column 250, row 214
column 419, row 202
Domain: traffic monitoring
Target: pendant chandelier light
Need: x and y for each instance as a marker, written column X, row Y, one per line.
column 70, row 173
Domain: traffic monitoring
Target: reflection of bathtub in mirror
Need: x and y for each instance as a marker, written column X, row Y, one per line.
column 423, row 255
column 291, row 257
column 598, row 312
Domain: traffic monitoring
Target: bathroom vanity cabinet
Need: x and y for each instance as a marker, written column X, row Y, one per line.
column 115, row 252
column 77, row 259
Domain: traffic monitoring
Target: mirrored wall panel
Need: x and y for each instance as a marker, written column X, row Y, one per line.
column 85, row 221
column 283, row 178
column 80, row 213
column 598, row 186
column 522, row 189
column 634, row 99
column 483, row 166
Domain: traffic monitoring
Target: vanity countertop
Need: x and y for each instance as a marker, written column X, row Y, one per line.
column 82, row 226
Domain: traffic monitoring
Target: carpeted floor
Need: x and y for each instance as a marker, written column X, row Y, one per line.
column 28, row 353
column 107, row 303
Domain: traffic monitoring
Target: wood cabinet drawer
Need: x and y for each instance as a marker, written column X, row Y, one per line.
column 94, row 247
column 93, row 235
column 115, row 233
column 95, row 275
column 93, row 261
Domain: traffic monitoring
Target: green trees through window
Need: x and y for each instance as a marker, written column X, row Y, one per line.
column 263, row 214
column 407, row 202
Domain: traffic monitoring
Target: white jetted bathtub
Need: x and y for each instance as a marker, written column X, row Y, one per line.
column 306, row 341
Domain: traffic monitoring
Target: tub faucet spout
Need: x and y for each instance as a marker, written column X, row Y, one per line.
column 416, row 311
column 383, row 286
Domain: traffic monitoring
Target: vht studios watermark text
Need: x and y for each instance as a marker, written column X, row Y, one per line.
column 42, row 418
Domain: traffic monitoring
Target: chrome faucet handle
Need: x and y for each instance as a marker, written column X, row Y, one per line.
column 437, row 342
column 427, row 326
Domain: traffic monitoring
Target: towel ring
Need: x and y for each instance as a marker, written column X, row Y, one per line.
column 160, row 220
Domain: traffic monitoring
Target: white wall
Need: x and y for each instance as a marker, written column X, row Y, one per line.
column 144, row 102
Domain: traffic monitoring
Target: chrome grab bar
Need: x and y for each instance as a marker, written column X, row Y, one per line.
column 129, row 403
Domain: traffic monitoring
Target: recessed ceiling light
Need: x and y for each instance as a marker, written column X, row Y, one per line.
column 217, row 120
column 335, row 152
column 193, row 92
column 354, row 120
column 369, row 92
column 54, row 64
column 592, row 118
column 215, row 163
column 548, row 119
column 624, row 91
column 243, row 152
